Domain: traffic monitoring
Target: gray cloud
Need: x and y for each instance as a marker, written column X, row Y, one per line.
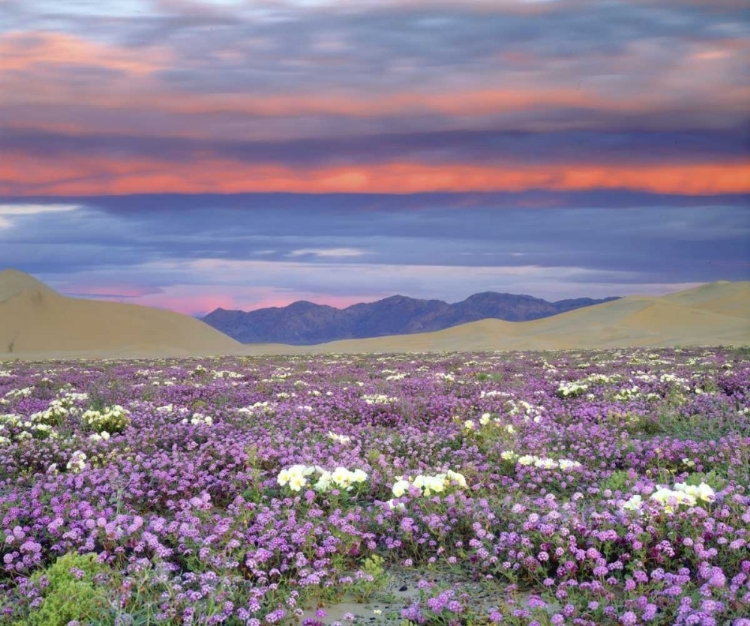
column 468, row 147
column 304, row 247
column 273, row 48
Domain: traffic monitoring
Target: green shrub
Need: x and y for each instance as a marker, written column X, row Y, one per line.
column 364, row 589
column 70, row 593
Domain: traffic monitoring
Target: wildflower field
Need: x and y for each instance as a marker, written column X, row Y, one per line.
column 605, row 487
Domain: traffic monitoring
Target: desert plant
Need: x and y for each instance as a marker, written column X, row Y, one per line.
column 70, row 590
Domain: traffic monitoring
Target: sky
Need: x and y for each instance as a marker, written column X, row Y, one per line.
column 191, row 154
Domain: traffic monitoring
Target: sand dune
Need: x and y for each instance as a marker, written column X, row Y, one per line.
column 37, row 322
column 721, row 297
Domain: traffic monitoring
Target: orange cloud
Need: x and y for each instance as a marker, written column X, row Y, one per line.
column 23, row 52
column 148, row 96
column 152, row 97
column 79, row 175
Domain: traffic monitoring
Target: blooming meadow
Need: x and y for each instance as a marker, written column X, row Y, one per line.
column 599, row 487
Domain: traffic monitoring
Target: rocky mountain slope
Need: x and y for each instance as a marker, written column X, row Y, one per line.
column 306, row 323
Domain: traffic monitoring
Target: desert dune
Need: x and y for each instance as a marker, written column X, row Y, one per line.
column 38, row 322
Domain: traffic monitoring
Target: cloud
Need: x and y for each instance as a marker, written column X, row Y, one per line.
column 79, row 175
column 21, row 210
column 395, row 97
column 35, row 209
column 327, row 253
column 239, row 251
column 28, row 51
column 605, row 145
column 620, row 147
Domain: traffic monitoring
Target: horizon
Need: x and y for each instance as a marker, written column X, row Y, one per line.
column 106, row 297
column 201, row 315
column 201, row 154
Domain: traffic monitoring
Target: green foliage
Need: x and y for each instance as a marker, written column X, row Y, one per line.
column 713, row 478
column 493, row 376
column 71, row 592
column 373, row 456
column 636, row 424
column 97, row 400
column 617, row 481
column 648, row 426
column 739, row 353
column 699, row 427
column 364, row 589
column 254, row 466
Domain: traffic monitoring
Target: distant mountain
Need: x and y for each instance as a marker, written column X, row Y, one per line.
column 305, row 323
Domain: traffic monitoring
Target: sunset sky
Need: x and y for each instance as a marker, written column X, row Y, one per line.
column 190, row 154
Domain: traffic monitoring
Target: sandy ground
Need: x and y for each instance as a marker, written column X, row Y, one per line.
column 402, row 590
column 38, row 323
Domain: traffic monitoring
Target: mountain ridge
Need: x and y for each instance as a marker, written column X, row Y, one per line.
column 307, row 323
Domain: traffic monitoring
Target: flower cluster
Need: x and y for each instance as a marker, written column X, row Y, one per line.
column 113, row 419
column 540, row 461
column 378, row 398
column 20, row 429
column 530, row 412
column 571, row 389
column 682, row 494
column 344, row 439
column 225, row 374
column 53, row 415
column 485, row 420
column 24, row 392
column 198, row 419
column 427, row 485
column 298, row 476
column 670, row 499
column 627, row 393
column 77, row 462
column 259, row 408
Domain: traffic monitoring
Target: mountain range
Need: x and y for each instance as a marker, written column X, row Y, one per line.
column 306, row 323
